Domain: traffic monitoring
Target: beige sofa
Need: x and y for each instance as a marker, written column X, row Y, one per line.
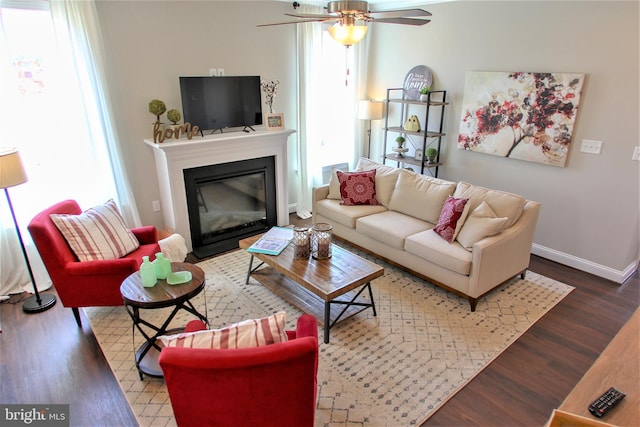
column 493, row 241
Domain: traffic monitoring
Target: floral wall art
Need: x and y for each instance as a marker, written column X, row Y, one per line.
column 526, row 116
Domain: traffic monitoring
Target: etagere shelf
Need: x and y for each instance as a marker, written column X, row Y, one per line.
column 435, row 103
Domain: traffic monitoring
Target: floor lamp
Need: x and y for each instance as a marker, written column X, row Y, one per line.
column 370, row 110
column 11, row 174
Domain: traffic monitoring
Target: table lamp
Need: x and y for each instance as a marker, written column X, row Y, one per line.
column 11, row 174
column 370, row 110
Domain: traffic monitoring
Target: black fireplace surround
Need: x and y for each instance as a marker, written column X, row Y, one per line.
column 228, row 202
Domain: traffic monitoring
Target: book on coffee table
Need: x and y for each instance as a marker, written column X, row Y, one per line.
column 273, row 242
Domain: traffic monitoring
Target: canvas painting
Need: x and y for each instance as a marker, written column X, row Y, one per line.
column 526, row 116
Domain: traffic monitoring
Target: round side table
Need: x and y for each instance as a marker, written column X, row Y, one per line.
column 162, row 295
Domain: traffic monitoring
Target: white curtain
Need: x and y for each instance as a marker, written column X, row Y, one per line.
column 54, row 108
column 331, row 79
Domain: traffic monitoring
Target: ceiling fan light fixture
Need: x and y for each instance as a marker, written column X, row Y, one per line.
column 347, row 35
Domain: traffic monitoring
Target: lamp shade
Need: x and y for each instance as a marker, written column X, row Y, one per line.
column 347, row 35
column 11, row 169
column 370, row 110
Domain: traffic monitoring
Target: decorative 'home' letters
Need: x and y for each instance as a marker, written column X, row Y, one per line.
column 159, row 136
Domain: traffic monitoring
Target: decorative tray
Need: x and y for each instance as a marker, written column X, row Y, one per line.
column 179, row 277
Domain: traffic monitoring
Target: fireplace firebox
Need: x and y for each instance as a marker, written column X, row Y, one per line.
column 228, row 202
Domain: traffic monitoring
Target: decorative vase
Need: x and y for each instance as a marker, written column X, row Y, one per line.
column 147, row 273
column 162, row 266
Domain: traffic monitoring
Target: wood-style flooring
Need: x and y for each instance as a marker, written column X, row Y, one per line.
column 45, row 358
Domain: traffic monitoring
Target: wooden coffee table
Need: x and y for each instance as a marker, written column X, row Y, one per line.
column 162, row 295
column 314, row 285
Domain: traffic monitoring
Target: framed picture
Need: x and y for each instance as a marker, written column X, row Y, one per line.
column 274, row 121
column 419, row 154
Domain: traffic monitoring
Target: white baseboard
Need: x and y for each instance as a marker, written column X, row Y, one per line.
column 618, row 276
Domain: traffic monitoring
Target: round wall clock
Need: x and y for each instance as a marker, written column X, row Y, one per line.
column 417, row 78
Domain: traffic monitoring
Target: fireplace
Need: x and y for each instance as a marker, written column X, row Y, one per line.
column 229, row 202
column 173, row 158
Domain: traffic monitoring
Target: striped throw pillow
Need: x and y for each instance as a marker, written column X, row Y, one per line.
column 99, row 233
column 245, row 334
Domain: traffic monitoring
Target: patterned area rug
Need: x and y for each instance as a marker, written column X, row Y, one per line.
column 395, row 369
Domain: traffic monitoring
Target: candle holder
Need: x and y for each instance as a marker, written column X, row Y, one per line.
column 321, row 241
column 301, row 244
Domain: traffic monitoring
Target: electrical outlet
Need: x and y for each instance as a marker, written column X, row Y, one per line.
column 636, row 153
column 220, row 72
column 590, row 146
column 213, row 72
column 156, row 205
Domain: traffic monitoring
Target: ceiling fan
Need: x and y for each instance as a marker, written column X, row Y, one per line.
column 350, row 19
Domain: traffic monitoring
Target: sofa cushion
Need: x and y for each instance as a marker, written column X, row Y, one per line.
column 99, row 233
column 452, row 216
column 420, row 196
column 431, row 247
column 390, row 227
column 480, row 223
column 504, row 204
column 245, row 334
column 345, row 215
column 334, row 185
column 386, row 177
column 357, row 188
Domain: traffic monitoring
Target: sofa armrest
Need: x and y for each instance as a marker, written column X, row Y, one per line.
column 146, row 234
column 500, row 257
column 317, row 194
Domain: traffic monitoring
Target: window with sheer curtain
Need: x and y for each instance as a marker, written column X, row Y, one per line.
column 330, row 82
column 47, row 113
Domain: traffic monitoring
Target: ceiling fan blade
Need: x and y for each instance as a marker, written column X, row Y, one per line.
column 310, row 15
column 404, row 21
column 399, row 13
column 299, row 21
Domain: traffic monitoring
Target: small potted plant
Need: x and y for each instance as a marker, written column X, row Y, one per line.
column 432, row 153
column 424, row 93
column 174, row 117
column 157, row 108
column 400, row 141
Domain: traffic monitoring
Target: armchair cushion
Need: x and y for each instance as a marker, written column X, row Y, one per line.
column 98, row 233
column 246, row 334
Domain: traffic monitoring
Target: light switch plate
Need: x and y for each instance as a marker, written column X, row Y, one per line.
column 636, row 153
column 591, row 146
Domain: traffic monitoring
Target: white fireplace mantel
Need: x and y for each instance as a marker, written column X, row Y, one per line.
column 172, row 157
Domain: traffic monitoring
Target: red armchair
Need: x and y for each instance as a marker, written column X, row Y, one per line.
column 274, row 385
column 89, row 283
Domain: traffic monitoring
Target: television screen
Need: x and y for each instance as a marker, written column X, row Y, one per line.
column 216, row 103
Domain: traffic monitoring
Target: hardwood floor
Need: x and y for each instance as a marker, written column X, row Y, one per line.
column 45, row 358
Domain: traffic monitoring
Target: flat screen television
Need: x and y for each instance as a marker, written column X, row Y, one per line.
column 216, row 103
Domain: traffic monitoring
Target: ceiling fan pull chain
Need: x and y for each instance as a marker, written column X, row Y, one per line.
column 346, row 61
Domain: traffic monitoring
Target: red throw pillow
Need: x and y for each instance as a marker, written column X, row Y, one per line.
column 451, row 212
column 358, row 188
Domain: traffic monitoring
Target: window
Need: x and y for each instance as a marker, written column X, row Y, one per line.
column 42, row 114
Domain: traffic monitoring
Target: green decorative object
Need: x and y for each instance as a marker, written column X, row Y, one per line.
column 431, row 154
column 157, row 108
column 425, row 90
column 400, row 140
column 174, row 116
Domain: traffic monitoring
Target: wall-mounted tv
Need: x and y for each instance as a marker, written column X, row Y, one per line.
column 216, row 103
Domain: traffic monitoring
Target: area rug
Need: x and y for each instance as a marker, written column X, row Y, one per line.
column 395, row 369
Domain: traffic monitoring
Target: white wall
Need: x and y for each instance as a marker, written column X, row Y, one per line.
column 150, row 44
column 590, row 208
column 589, row 216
